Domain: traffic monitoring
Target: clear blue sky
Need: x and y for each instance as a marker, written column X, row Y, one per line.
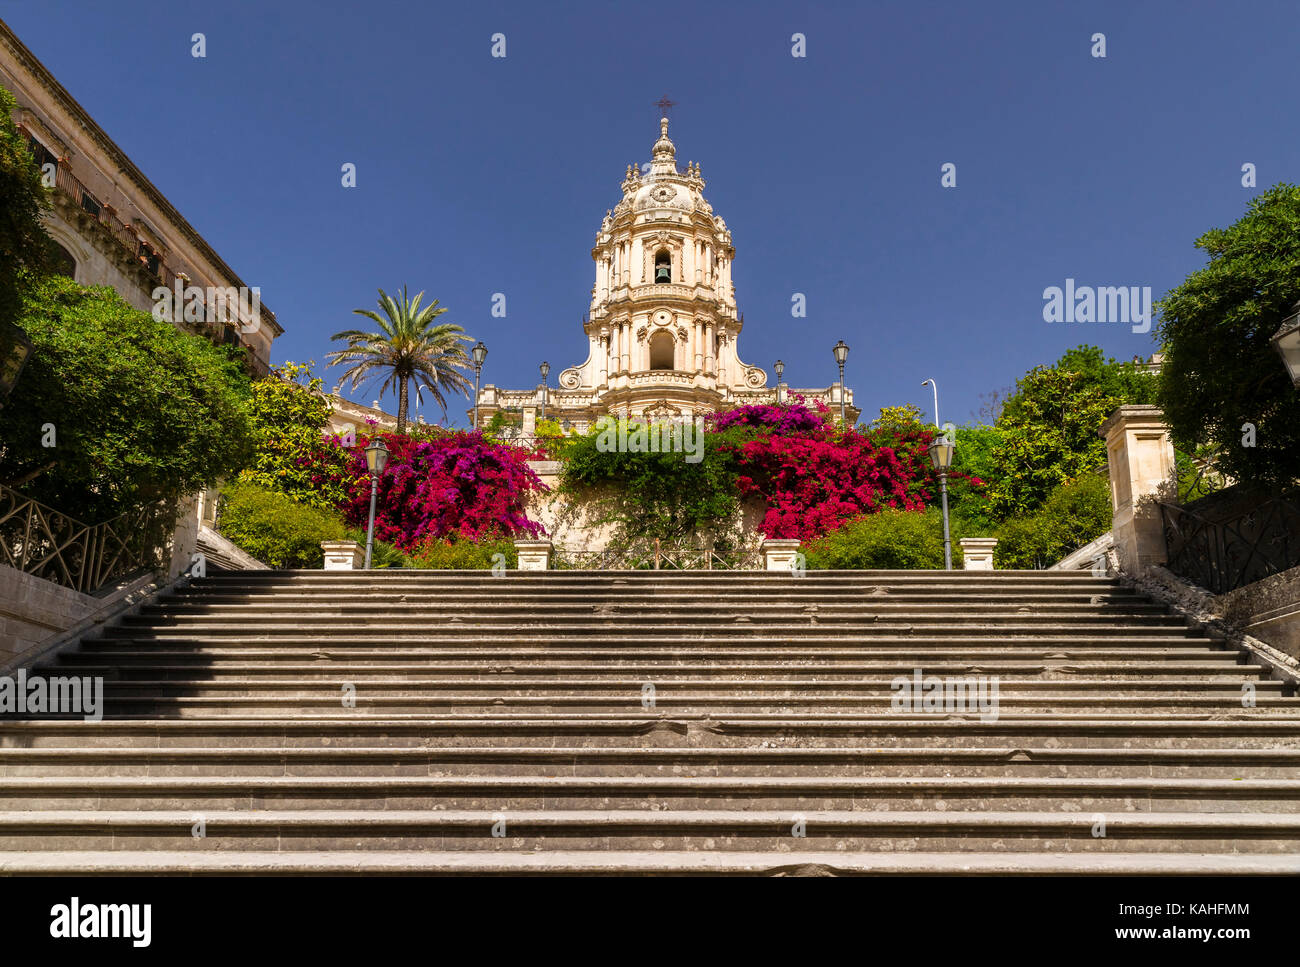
column 479, row 175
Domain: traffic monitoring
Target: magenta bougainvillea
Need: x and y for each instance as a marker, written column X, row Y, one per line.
column 459, row 484
column 815, row 476
column 784, row 420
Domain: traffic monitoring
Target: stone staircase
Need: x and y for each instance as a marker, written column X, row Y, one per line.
column 654, row 722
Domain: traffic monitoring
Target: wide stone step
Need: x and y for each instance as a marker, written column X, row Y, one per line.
column 716, row 595
column 946, row 793
column 915, row 617
column 215, row 760
column 652, row 830
column 639, row 863
column 710, row 608
column 372, row 699
column 792, row 669
column 1141, row 730
column 171, row 663
column 595, row 645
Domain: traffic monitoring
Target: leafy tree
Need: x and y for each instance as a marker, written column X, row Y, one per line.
column 1219, row 371
column 289, row 415
column 1074, row 514
column 974, row 459
column 408, row 348
column 133, row 410
column 894, row 420
column 1048, row 430
column 23, row 198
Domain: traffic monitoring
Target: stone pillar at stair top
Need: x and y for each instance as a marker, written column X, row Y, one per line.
column 185, row 538
column 534, row 555
column 343, row 555
column 1140, row 457
column 780, row 555
column 529, row 429
column 977, row 553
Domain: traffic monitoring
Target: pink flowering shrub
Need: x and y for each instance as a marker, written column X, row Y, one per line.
column 816, row 480
column 455, row 485
column 792, row 418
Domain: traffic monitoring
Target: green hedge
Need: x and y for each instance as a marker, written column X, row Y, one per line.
column 283, row 533
column 888, row 540
column 464, row 555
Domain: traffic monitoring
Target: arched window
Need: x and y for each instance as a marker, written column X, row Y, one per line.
column 62, row 262
column 662, row 345
column 663, row 267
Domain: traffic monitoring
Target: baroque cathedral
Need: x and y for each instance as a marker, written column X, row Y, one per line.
column 663, row 330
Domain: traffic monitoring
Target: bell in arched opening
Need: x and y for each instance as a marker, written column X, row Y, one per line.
column 663, row 268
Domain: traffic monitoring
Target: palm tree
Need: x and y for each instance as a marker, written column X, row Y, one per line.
column 409, row 347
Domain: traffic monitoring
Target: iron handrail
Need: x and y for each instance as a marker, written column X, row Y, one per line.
column 47, row 543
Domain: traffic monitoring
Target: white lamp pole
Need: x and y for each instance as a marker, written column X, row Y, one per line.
column 934, row 386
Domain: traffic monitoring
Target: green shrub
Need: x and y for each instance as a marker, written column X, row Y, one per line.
column 277, row 530
column 1074, row 514
column 457, row 554
column 888, row 540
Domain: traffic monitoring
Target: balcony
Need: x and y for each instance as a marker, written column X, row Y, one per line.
column 149, row 264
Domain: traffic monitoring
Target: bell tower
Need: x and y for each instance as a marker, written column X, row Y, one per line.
column 663, row 326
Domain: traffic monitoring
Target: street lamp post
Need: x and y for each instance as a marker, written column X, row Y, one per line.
column 1287, row 343
column 546, row 371
column 376, row 460
column 841, row 354
column 479, row 353
column 779, row 368
column 941, row 453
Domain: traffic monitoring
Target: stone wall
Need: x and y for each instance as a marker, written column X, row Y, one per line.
column 1268, row 610
column 33, row 610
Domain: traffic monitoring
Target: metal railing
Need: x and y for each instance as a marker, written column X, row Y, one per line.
column 657, row 555
column 1221, row 555
column 48, row 544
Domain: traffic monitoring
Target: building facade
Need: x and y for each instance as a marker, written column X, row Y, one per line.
column 663, row 330
column 113, row 227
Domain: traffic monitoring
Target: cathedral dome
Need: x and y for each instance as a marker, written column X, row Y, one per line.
column 663, row 194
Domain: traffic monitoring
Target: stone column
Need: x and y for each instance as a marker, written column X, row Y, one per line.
column 1142, row 475
column 534, row 555
column 343, row 555
column 529, row 429
column 780, row 555
column 977, row 553
column 625, row 333
column 185, row 539
column 709, row 368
